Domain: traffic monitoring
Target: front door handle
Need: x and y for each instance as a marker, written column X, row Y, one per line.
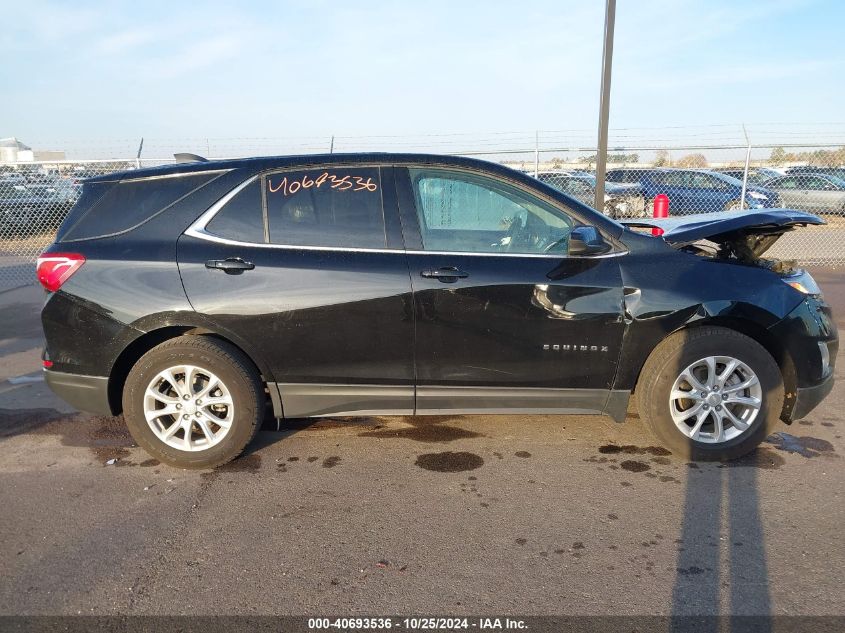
column 230, row 266
column 447, row 275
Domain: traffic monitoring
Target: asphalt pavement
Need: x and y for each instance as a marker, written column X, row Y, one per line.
column 530, row 515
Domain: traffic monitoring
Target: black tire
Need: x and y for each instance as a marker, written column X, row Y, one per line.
column 680, row 350
column 234, row 369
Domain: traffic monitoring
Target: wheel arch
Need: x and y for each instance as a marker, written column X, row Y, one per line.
column 151, row 338
column 756, row 332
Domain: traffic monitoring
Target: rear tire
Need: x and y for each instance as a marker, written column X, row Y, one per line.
column 737, row 427
column 164, row 409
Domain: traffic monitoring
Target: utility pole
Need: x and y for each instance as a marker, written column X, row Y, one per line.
column 604, row 102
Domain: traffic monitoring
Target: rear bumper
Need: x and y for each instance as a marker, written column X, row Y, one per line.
column 808, row 398
column 86, row 393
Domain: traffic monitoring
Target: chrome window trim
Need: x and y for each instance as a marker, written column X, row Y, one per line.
column 198, row 230
column 183, row 174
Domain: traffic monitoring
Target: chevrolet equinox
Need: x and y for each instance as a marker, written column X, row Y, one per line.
column 189, row 297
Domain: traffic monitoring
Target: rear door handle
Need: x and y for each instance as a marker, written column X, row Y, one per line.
column 230, row 266
column 447, row 275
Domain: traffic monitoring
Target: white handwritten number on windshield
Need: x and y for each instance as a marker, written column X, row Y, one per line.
column 341, row 183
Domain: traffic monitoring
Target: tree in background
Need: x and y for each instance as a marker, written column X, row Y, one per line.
column 819, row 157
column 661, row 158
column 778, row 156
column 692, row 160
column 622, row 159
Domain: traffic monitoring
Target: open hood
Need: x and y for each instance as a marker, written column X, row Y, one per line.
column 744, row 233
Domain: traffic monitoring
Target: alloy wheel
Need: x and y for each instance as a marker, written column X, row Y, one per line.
column 188, row 408
column 715, row 399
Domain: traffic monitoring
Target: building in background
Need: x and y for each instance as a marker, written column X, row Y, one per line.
column 13, row 151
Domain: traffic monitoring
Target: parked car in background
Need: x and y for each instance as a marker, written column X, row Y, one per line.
column 703, row 191
column 627, row 174
column 818, row 193
column 839, row 172
column 580, row 173
column 8, row 179
column 756, row 175
column 28, row 209
column 190, row 297
column 620, row 200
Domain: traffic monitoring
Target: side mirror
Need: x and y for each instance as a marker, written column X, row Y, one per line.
column 586, row 240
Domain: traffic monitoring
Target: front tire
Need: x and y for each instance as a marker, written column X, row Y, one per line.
column 193, row 402
column 710, row 393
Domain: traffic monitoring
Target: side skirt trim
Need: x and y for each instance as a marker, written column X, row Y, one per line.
column 322, row 399
column 303, row 400
column 530, row 400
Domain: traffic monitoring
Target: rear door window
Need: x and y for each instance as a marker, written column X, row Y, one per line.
column 334, row 207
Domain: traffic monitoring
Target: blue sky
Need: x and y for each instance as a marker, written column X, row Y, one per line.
column 86, row 70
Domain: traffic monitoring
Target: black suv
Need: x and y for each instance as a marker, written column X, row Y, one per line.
column 190, row 296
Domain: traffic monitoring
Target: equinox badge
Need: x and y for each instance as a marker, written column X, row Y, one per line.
column 575, row 348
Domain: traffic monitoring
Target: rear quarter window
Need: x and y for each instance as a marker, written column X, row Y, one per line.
column 107, row 208
column 242, row 218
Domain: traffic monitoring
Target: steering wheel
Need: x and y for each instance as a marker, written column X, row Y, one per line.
column 517, row 231
column 555, row 243
column 528, row 233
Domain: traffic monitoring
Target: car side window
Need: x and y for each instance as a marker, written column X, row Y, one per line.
column 815, row 184
column 242, row 218
column 575, row 187
column 583, row 189
column 465, row 212
column 705, row 181
column 671, row 179
column 328, row 207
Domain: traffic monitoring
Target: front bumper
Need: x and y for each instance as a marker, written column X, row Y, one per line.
column 808, row 398
column 811, row 340
column 86, row 393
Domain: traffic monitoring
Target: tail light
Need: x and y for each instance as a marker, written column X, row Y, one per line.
column 54, row 269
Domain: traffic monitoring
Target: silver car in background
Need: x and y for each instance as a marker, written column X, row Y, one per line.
column 817, row 193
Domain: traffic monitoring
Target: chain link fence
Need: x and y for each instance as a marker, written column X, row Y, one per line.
column 34, row 200
column 35, row 197
column 725, row 178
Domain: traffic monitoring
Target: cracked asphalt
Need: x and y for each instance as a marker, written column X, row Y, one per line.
column 530, row 515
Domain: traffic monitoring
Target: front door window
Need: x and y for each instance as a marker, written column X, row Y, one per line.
column 463, row 212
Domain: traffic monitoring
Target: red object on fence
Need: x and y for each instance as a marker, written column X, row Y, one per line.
column 661, row 210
